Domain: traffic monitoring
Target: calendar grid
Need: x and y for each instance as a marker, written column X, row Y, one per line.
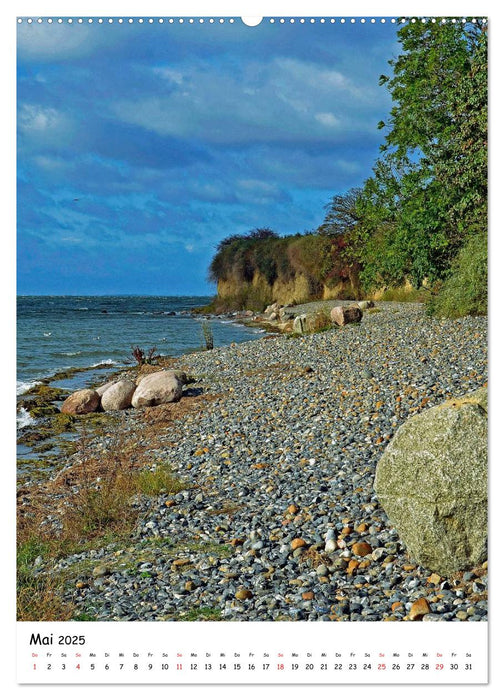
column 251, row 653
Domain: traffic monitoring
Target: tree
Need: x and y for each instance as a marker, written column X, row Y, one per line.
column 342, row 214
column 432, row 176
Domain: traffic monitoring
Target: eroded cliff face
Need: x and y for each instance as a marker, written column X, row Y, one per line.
column 259, row 293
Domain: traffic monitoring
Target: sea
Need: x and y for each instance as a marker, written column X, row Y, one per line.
column 56, row 333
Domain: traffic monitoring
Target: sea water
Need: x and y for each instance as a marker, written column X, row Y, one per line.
column 56, row 333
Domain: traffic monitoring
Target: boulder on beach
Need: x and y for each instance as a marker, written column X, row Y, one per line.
column 272, row 308
column 432, row 483
column 341, row 315
column 363, row 305
column 100, row 390
column 157, row 388
column 299, row 324
column 118, row 396
column 80, row 402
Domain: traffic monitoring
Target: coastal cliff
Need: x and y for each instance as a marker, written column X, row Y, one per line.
column 254, row 270
column 258, row 293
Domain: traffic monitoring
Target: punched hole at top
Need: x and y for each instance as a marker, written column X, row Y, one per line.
column 251, row 21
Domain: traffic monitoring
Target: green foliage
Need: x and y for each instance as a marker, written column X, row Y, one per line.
column 429, row 186
column 465, row 291
column 235, row 255
column 159, row 480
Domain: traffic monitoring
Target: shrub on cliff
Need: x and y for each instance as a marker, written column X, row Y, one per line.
column 465, row 291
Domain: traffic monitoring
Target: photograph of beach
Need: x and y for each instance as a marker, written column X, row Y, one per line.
column 252, row 366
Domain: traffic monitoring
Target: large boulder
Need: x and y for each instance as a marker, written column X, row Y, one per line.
column 118, row 396
column 100, row 390
column 346, row 314
column 432, row 483
column 80, row 402
column 157, row 388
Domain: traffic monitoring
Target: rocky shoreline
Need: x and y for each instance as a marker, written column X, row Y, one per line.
column 274, row 448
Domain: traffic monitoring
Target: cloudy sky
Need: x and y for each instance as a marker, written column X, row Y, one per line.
column 141, row 146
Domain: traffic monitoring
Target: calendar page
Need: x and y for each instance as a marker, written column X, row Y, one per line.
column 252, row 372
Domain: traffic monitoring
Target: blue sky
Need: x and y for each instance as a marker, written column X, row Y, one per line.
column 141, row 146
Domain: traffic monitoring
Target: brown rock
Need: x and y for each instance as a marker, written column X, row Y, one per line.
column 243, row 594
column 434, row 579
column 80, row 402
column 360, row 549
column 352, row 565
column 341, row 315
column 298, row 542
column 419, row 608
column 292, row 508
column 181, row 562
column 308, row 595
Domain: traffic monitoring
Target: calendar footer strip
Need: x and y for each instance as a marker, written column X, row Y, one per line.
column 252, row 652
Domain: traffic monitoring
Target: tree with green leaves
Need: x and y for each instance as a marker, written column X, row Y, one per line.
column 429, row 187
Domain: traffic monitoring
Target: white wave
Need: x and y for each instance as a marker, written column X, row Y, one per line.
column 105, row 362
column 71, row 354
column 24, row 387
column 23, row 418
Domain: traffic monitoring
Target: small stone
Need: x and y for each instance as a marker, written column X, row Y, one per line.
column 346, row 530
column 434, row 579
column 308, row 595
column 181, row 562
column 321, row 570
column 462, row 615
column 81, row 584
column 243, row 594
column 396, row 605
column 100, row 570
column 419, row 608
column 293, row 508
column 361, row 528
column 298, row 542
column 360, row 549
column 378, row 553
column 330, row 546
column 352, row 565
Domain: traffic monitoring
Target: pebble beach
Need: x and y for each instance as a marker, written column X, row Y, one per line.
column 278, row 448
